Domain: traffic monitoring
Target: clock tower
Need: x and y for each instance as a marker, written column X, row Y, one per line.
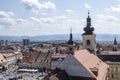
column 89, row 41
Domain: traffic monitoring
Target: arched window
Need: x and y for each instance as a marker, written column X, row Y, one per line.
column 88, row 42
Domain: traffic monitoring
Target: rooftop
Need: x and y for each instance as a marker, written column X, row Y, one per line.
column 84, row 64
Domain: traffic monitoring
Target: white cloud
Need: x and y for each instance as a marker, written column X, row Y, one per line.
column 108, row 18
column 6, row 18
column 38, row 26
column 43, row 13
column 114, row 9
column 21, row 21
column 106, row 23
column 55, row 25
column 4, row 14
column 87, row 6
column 47, row 20
column 60, row 17
column 70, row 11
column 37, row 6
column 109, row 21
column 34, row 19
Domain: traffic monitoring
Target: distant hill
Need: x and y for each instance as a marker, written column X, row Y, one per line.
column 107, row 37
column 99, row 37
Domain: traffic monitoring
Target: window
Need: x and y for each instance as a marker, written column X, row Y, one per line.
column 88, row 42
column 70, row 49
column 112, row 75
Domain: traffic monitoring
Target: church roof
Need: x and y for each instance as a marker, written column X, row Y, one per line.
column 83, row 64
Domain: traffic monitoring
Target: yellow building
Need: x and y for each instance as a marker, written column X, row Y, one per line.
column 114, row 70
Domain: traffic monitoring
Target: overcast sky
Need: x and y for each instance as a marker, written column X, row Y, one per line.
column 46, row 17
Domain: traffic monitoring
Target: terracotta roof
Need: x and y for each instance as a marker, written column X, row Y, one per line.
column 91, row 61
column 17, row 52
column 58, row 55
column 84, row 64
column 37, row 57
column 2, row 59
column 8, row 54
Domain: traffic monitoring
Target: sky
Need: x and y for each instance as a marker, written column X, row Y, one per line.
column 48, row 17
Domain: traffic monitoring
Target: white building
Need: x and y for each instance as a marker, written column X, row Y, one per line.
column 3, row 61
column 11, row 57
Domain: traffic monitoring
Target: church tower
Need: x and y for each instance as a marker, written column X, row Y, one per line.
column 70, row 44
column 115, row 45
column 89, row 41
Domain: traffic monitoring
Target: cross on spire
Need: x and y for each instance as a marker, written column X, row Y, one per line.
column 88, row 13
column 71, row 39
column 70, row 30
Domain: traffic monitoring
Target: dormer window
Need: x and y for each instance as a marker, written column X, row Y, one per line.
column 95, row 71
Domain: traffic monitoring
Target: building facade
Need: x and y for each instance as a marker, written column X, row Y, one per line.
column 114, row 70
column 26, row 42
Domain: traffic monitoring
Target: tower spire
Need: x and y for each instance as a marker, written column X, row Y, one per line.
column 88, row 13
column 88, row 20
column 70, row 30
column 115, row 41
column 70, row 42
column 71, row 34
column 115, row 45
column 88, row 29
column 89, row 41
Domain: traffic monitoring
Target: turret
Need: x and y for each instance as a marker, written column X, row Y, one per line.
column 70, row 44
column 88, row 29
